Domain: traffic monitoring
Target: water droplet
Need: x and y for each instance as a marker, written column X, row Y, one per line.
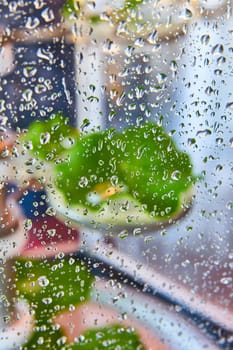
column 226, row 280
column 203, row 133
column 185, row 263
column 51, row 232
column 2, row 106
column 140, row 152
column 45, row 55
column 120, row 99
column 173, row 66
column 85, row 123
column 132, row 106
column 205, row 39
column 209, row 91
column 123, row 234
column 51, row 211
column 28, row 145
column 139, row 92
column 217, row 49
column 40, row 88
column 68, row 142
column 47, row 301
column 219, row 140
column 148, row 69
column 218, row 72
column 47, row 14
column 186, row 14
column 114, row 180
column 43, row 281
column 83, row 182
column 176, row 175
column 79, row 339
column 13, row 6
column 27, row 95
column 39, row 4
column 32, row 23
column 29, row 71
column 137, row 231
column 161, row 77
column 71, row 261
column 129, row 51
column 152, row 37
column 229, row 105
column 28, row 264
column 40, row 341
column 229, row 205
column 124, row 206
column 139, row 42
column 107, row 45
column 60, row 294
column 27, row 224
column 60, row 255
column 191, row 141
column 219, row 167
column 122, row 28
column 221, row 60
column 231, row 142
column 147, row 239
column 44, row 138
column 124, row 73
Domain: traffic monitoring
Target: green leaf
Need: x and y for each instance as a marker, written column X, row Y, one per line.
column 45, row 337
column 92, row 161
column 50, row 287
column 143, row 159
column 154, row 171
column 111, row 338
column 51, row 137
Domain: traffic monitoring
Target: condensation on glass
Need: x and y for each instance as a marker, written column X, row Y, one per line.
column 115, row 174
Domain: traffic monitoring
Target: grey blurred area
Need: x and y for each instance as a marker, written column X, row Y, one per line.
column 41, row 79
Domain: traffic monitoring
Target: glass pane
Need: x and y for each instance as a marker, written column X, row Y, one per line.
column 115, row 170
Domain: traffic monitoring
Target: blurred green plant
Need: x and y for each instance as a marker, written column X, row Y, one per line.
column 54, row 286
column 112, row 338
column 51, row 287
column 141, row 163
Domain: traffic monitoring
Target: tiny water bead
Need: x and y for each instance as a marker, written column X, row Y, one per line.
column 83, row 182
column 52, row 232
column 51, row 211
column 47, row 301
column 176, row 175
column 29, row 71
column 32, row 23
column 218, row 49
column 45, row 138
column 226, row 280
column 43, row 281
column 27, row 224
column 48, row 15
column 205, row 38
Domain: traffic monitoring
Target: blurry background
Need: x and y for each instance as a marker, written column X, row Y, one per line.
column 186, row 79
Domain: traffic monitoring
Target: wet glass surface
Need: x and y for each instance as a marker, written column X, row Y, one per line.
column 166, row 65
